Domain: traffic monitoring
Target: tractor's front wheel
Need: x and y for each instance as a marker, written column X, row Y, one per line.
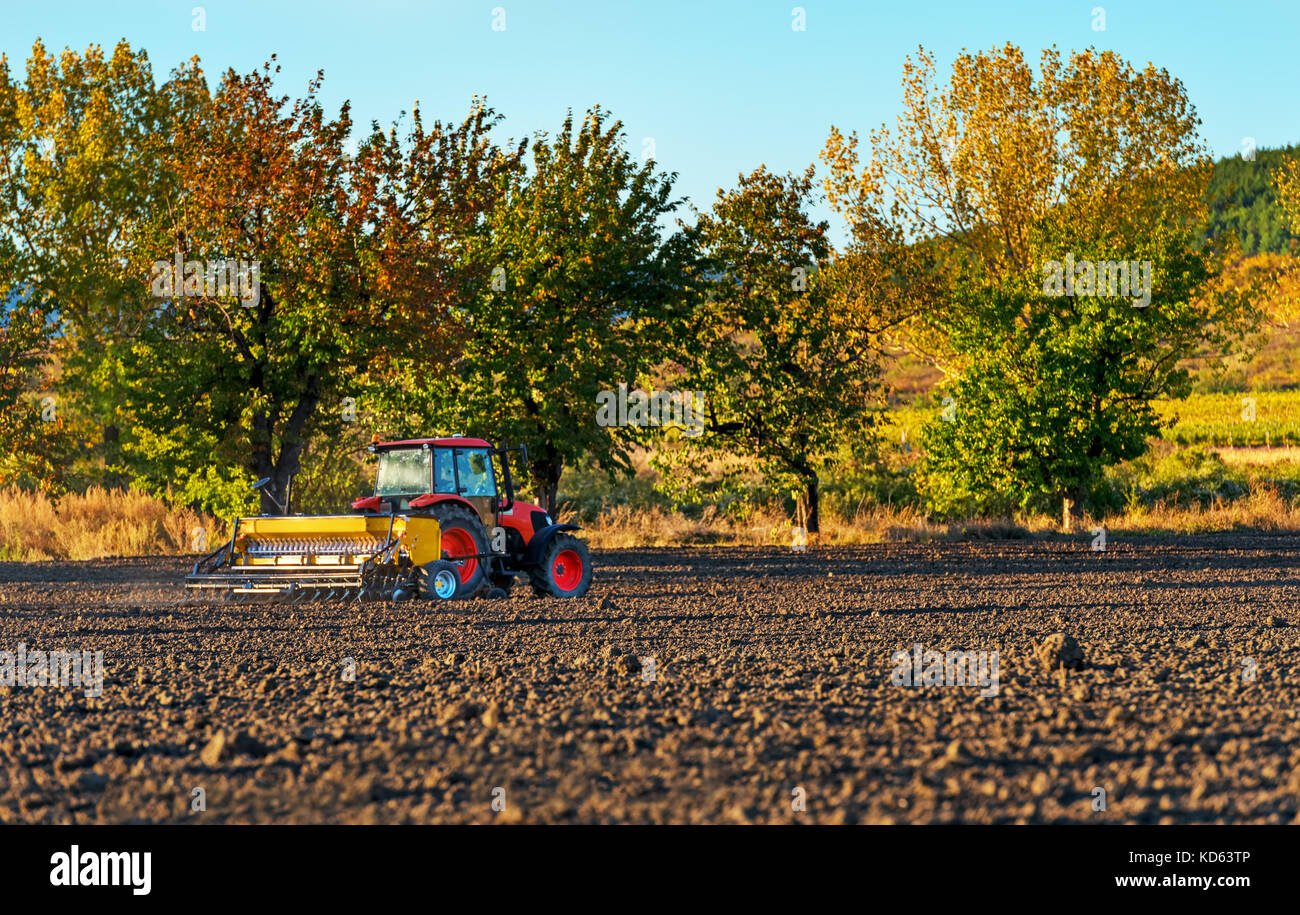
column 564, row 569
column 463, row 541
column 439, row 580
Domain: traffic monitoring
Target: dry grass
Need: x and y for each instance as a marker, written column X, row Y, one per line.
column 626, row 527
column 95, row 524
column 1258, row 457
column 1263, row 508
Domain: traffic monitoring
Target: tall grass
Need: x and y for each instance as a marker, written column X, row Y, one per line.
column 1263, row 508
column 1170, row 490
column 625, row 527
column 97, row 523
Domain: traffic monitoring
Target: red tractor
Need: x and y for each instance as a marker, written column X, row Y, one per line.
column 487, row 534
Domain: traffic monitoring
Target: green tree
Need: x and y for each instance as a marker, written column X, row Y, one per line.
column 783, row 340
column 576, row 289
column 79, row 142
column 203, row 376
column 1243, row 201
column 32, row 446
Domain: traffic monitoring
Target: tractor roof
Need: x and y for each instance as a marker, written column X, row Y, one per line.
column 456, row 442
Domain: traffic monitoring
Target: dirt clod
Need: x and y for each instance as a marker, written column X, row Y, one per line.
column 1059, row 651
column 214, row 751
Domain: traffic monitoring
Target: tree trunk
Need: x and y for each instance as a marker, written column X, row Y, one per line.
column 273, row 496
column 1072, row 507
column 812, row 496
column 114, row 479
column 286, row 468
column 283, row 467
column 548, row 491
column 279, row 469
column 800, row 467
column 545, row 472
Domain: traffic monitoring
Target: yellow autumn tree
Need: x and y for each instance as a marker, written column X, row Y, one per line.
column 1270, row 280
column 1001, row 169
column 1288, row 189
column 1283, row 294
column 999, row 179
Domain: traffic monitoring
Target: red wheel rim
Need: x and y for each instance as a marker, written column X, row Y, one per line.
column 457, row 542
column 566, row 570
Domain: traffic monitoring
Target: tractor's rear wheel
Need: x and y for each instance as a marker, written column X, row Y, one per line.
column 462, row 536
column 564, row 569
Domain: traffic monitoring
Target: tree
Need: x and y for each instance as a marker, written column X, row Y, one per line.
column 1287, row 179
column 1007, row 180
column 783, row 346
column 79, row 140
column 576, row 290
column 342, row 266
column 223, row 271
column 24, row 337
column 30, row 442
column 1270, row 280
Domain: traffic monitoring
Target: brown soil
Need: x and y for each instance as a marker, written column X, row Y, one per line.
column 770, row 685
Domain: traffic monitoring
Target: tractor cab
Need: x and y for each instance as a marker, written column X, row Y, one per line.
column 409, row 471
column 416, row 473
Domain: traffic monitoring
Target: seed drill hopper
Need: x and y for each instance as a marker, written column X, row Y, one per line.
column 325, row 557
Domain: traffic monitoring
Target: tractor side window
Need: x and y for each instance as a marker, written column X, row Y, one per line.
column 402, row 472
column 475, row 471
column 443, row 478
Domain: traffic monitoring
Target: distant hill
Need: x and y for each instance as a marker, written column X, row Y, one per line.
column 1242, row 199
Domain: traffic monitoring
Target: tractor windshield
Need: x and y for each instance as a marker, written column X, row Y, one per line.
column 404, row 472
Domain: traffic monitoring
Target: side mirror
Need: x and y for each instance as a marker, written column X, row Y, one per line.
column 523, row 453
column 260, row 483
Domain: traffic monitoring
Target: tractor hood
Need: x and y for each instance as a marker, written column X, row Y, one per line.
column 527, row 513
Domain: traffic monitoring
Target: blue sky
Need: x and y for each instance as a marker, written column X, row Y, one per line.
column 721, row 87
